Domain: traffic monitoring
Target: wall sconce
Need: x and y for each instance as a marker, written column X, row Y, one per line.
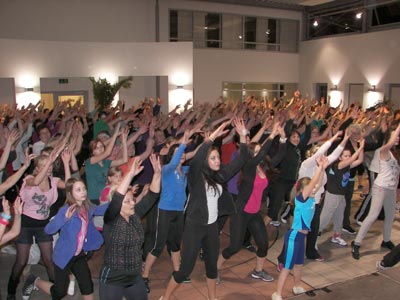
column 334, row 88
column 179, row 87
column 28, row 89
column 372, row 89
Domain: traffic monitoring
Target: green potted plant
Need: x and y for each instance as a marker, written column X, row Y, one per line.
column 104, row 92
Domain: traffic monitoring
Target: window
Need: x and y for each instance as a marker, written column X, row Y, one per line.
column 239, row 91
column 386, row 14
column 250, row 32
column 230, row 31
column 213, row 30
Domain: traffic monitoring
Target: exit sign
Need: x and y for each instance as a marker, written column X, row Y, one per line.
column 63, row 81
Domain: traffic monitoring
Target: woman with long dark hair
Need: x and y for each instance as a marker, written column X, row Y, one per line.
column 205, row 180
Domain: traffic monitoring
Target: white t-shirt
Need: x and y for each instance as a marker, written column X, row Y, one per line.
column 212, row 202
column 388, row 171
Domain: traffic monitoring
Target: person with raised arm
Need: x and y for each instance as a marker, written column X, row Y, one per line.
column 383, row 193
column 304, row 206
column 120, row 275
column 205, row 179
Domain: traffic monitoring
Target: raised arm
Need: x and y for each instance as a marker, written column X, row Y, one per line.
column 394, row 138
column 16, row 227
column 124, row 158
column 108, row 149
column 313, row 184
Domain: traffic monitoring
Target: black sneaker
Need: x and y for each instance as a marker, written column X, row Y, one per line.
column 388, row 245
column 355, row 250
column 147, row 284
column 349, row 230
column 187, row 280
column 249, row 248
column 29, row 287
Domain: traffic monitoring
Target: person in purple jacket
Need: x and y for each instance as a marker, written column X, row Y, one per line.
column 78, row 235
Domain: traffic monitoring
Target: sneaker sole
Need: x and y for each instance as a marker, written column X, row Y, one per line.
column 349, row 232
column 263, row 279
column 338, row 243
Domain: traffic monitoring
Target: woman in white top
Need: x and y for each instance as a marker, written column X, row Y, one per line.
column 383, row 193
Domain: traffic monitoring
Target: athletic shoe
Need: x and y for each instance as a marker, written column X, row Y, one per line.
column 338, row 240
column 147, row 284
column 264, row 276
column 249, row 248
column 388, row 245
column 29, row 287
column 349, row 230
column 187, row 280
column 9, row 249
column 71, row 288
column 319, row 259
column 380, row 266
column 286, row 213
column 297, row 290
column 275, row 223
column 279, row 265
column 355, row 250
column 275, row 296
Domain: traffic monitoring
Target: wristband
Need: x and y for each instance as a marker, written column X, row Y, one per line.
column 4, row 222
column 282, row 140
column 5, row 216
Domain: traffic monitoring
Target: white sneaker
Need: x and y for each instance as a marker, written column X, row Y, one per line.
column 297, row 290
column 275, row 296
column 338, row 240
column 71, row 288
column 9, row 249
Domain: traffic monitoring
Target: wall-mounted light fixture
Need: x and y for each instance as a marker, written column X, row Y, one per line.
column 28, row 89
column 372, row 89
column 179, row 87
column 334, row 88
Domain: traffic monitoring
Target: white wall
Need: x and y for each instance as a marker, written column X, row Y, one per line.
column 371, row 59
column 78, row 20
column 7, row 91
column 214, row 66
column 28, row 61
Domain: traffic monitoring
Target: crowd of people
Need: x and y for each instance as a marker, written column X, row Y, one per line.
column 137, row 180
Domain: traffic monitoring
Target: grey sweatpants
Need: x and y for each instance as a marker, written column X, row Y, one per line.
column 334, row 206
column 380, row 197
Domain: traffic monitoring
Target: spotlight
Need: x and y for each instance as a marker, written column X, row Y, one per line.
column 315, row 24
column 372, row 89
column 359, row 15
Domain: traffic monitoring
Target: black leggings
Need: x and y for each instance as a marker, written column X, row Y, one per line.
column 239, row 223
column 348, row 196
column 79, row 267
column 169, row 231
column 46, row 251
column 311, row 239
column 198, row 235
column 277, row 193
column 136, row 291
